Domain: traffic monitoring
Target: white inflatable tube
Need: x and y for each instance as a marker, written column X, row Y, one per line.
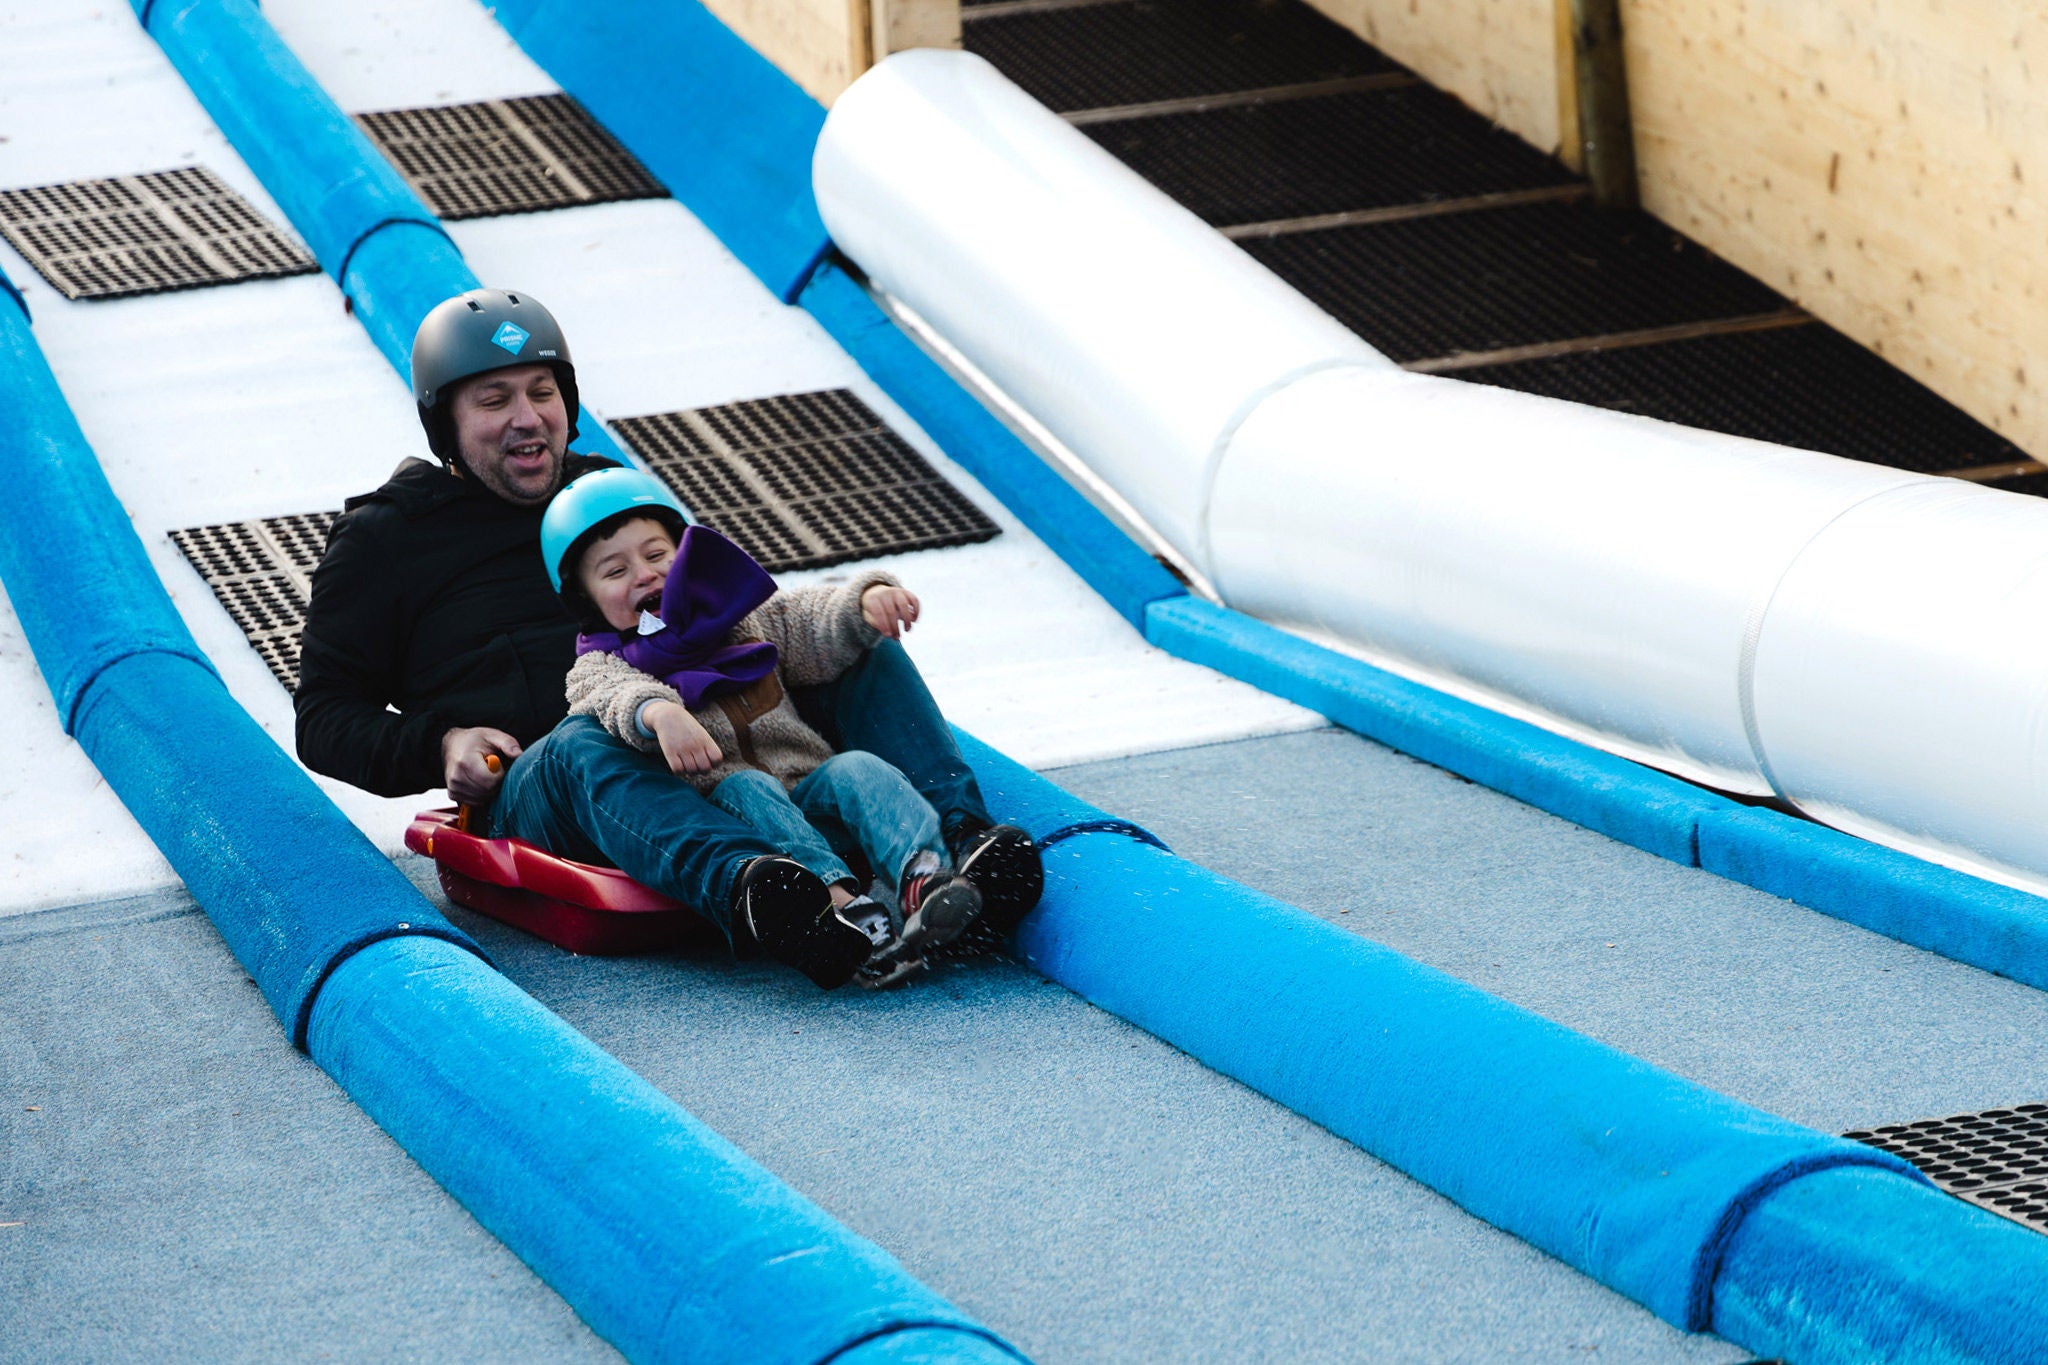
column 1858, row 640
column 1126, row 325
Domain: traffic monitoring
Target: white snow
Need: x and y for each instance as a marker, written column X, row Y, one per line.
column 262, row 399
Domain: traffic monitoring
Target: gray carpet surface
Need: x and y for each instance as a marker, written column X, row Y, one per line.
column 187, row 1187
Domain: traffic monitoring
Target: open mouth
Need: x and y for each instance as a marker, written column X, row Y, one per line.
column 527, row 452
column 650, row 603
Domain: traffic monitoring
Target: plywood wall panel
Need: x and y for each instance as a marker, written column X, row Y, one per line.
column 1499, row 56
column 1883, row 162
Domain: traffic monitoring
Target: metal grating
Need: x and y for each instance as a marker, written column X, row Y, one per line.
column 262, row 573
column 508, row 156
column 1375, row 149
column 805, row 480
column 1808, row 386
column 145, row 234
column 1428, row 287
column 1092, row 56
column 1997, row 1160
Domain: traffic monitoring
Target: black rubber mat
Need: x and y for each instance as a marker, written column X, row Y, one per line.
column 261, row 572
column 145, row 234
column 1094, row 56
column 1366, row 150
column 1808, row 386
column 1438, row 286
column 508, row 156
column 1997, row 1160
column 805, row 480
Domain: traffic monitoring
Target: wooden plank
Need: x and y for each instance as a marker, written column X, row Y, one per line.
column 820, row 44
column 1499, row 56
column 1883, row 162
column 898, row 25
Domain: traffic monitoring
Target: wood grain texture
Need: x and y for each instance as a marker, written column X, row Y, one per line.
column 1882, row 162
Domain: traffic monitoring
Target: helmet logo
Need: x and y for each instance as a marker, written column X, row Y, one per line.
column 511, row 336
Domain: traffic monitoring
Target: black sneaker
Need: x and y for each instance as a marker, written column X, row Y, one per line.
column 789, row 912
column 1002, row 862
column 891, row 966
column 936, row 906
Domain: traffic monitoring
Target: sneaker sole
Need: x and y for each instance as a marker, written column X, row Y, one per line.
column 943, row 915
column 1010, row 880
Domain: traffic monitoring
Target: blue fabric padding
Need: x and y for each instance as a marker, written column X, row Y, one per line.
column 315, row 162
column 1887, row 892
column 292, row 885
column 79, row 580
column 1925, row 1280
column 718, row 124
column 1126, row 577
column 1620, row 799
column 1631, row 1174
column 386, row 249
column 667, row 1239
column 1042, row 809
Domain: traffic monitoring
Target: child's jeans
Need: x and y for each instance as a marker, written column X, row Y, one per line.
column 853, row 800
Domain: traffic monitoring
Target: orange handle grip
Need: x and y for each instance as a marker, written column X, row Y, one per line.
column 465, row 815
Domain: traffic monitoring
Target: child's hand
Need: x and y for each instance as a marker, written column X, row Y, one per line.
column 889, row 610
column 686, row 745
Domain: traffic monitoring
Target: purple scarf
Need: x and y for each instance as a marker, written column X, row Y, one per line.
column 712, row 586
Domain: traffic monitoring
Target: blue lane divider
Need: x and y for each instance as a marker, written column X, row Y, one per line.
column 1709, row 1212
column 728, row 133
column 1624, row 1171
column 671, row 1242
column 361, row 220
column 1631, row 801
column 1926, row 1281
column 1620, row 799
column 258, row 845
column 571, row 1160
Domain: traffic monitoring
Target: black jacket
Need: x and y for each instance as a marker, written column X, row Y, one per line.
column 431, row 599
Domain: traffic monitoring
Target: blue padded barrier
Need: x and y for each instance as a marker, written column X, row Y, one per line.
column 292, row 886
column 668, row 1240
column 332, row 932
column 717, row 123
column 1887, row 892
column 1926, row 1280
column 369, row 230
column 1126, row 577
column 1626, row 1172
column 1622, row 800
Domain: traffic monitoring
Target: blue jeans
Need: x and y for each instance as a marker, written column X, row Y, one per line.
column 851, row 800
column 580, row 793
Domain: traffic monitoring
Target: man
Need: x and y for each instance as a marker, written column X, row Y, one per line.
column 434, row 644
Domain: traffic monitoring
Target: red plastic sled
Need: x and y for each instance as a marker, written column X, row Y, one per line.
column 594, row 910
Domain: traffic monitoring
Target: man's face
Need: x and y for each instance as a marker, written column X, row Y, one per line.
column 512, row 428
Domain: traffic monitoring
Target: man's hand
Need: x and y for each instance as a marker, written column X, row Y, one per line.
column 889, row 610
column 468, row 777
column 686, row 745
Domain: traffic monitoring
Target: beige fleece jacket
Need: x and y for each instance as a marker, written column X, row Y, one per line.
column 818, row 633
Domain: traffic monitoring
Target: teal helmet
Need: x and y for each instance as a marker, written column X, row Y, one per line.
column 596, row 502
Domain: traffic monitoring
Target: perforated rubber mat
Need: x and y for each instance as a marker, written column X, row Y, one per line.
column 1808, row 386
column 1434, row 287
column 145, row 234
column 262, row 573
column 1372, row 149
column 1091, row 56
column 1997, row 1160
column 805, row 480
column 508, row 156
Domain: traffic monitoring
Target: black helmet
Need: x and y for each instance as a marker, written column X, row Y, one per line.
column 475, row 333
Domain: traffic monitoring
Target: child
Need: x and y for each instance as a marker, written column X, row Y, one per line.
column 685, row 650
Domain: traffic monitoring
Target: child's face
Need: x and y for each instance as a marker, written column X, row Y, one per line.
column 624, row 572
